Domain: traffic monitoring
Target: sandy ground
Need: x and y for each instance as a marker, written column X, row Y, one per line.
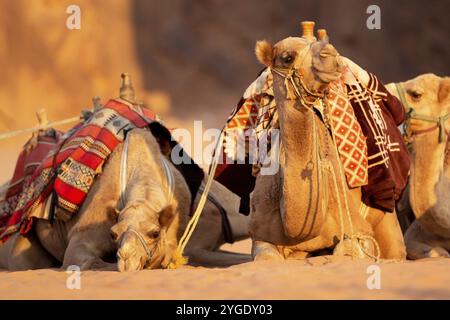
column 315, row 278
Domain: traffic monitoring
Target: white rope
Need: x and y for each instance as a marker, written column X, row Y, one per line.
column 10, row 134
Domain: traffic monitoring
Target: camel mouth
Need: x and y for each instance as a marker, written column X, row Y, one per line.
column 132, row 263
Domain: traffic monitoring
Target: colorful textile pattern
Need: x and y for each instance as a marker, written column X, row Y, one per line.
column 379, row 113
column 69, row 170
column 350, row 140
column 29, row 159
column 245, row 117
column 256, row 111
column 364, row 123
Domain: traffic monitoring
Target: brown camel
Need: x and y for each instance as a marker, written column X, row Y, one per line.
column 307, row 207
column 429, row 183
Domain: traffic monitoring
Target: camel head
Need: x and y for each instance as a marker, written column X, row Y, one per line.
column 427, row 94
column 429, row 97
column 140, row 234
column 317, row 63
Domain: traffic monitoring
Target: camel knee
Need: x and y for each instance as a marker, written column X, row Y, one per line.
column 26, row 253
column 390, row 238
column 419, row 250
column 419, row 244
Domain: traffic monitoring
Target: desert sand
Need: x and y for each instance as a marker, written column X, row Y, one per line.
column 315, row 278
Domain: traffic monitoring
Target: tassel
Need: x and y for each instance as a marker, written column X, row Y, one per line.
column 178, row 260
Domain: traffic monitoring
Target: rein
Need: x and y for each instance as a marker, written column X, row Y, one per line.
column 412, row 115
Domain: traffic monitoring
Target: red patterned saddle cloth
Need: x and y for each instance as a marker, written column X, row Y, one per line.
column 66, row 164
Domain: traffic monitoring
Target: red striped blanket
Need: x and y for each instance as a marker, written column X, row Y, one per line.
column 69, row 168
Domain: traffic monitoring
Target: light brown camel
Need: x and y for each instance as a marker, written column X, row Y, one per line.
column 87, row 239
column 307, row 206
column 429, row 183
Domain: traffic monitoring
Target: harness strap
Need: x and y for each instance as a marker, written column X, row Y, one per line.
column 123, row 173
column 169, row 178
column 226, row 225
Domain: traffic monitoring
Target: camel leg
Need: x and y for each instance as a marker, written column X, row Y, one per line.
column 204, row 257
column 86, row 253
column 24, row 253
column 390, row 237
column 419, row 243
column 262, row 250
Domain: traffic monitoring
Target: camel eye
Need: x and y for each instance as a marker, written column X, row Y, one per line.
column 415, row 94
column 153, row 234
column 287, row 59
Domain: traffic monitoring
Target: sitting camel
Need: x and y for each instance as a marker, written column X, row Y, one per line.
column 148, row 217
column 427, row 98
column 307, row 207
column 144, row 231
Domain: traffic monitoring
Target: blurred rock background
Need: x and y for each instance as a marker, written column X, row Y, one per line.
column 189, row 59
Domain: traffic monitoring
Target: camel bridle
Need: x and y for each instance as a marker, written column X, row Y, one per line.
column 411, row 114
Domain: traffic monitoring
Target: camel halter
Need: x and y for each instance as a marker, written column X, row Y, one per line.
column 356, row 238
column 411, row 114
column 292, row 73
column 123, row 183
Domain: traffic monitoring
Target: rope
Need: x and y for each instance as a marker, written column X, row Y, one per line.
column 178, row 259
column 14, row 133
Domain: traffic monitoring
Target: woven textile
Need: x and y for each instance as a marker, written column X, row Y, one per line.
column 350, row 140
column 70, row 168
column 28, row 161
column 364, row 123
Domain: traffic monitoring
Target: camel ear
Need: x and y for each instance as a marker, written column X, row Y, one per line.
column 444, row 89
column 166, row 216
column 264, row 52
column 118, row 229
column 327, row 63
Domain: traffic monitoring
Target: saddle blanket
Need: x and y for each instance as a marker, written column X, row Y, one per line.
column 363, row 122
column 67, row 165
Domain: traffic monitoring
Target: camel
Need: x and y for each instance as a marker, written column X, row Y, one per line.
column 101, row 227
column 143, row 233
column 307, row 207
column 429, row 184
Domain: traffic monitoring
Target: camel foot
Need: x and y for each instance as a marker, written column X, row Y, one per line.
column 431, row 252
column 263, row 251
